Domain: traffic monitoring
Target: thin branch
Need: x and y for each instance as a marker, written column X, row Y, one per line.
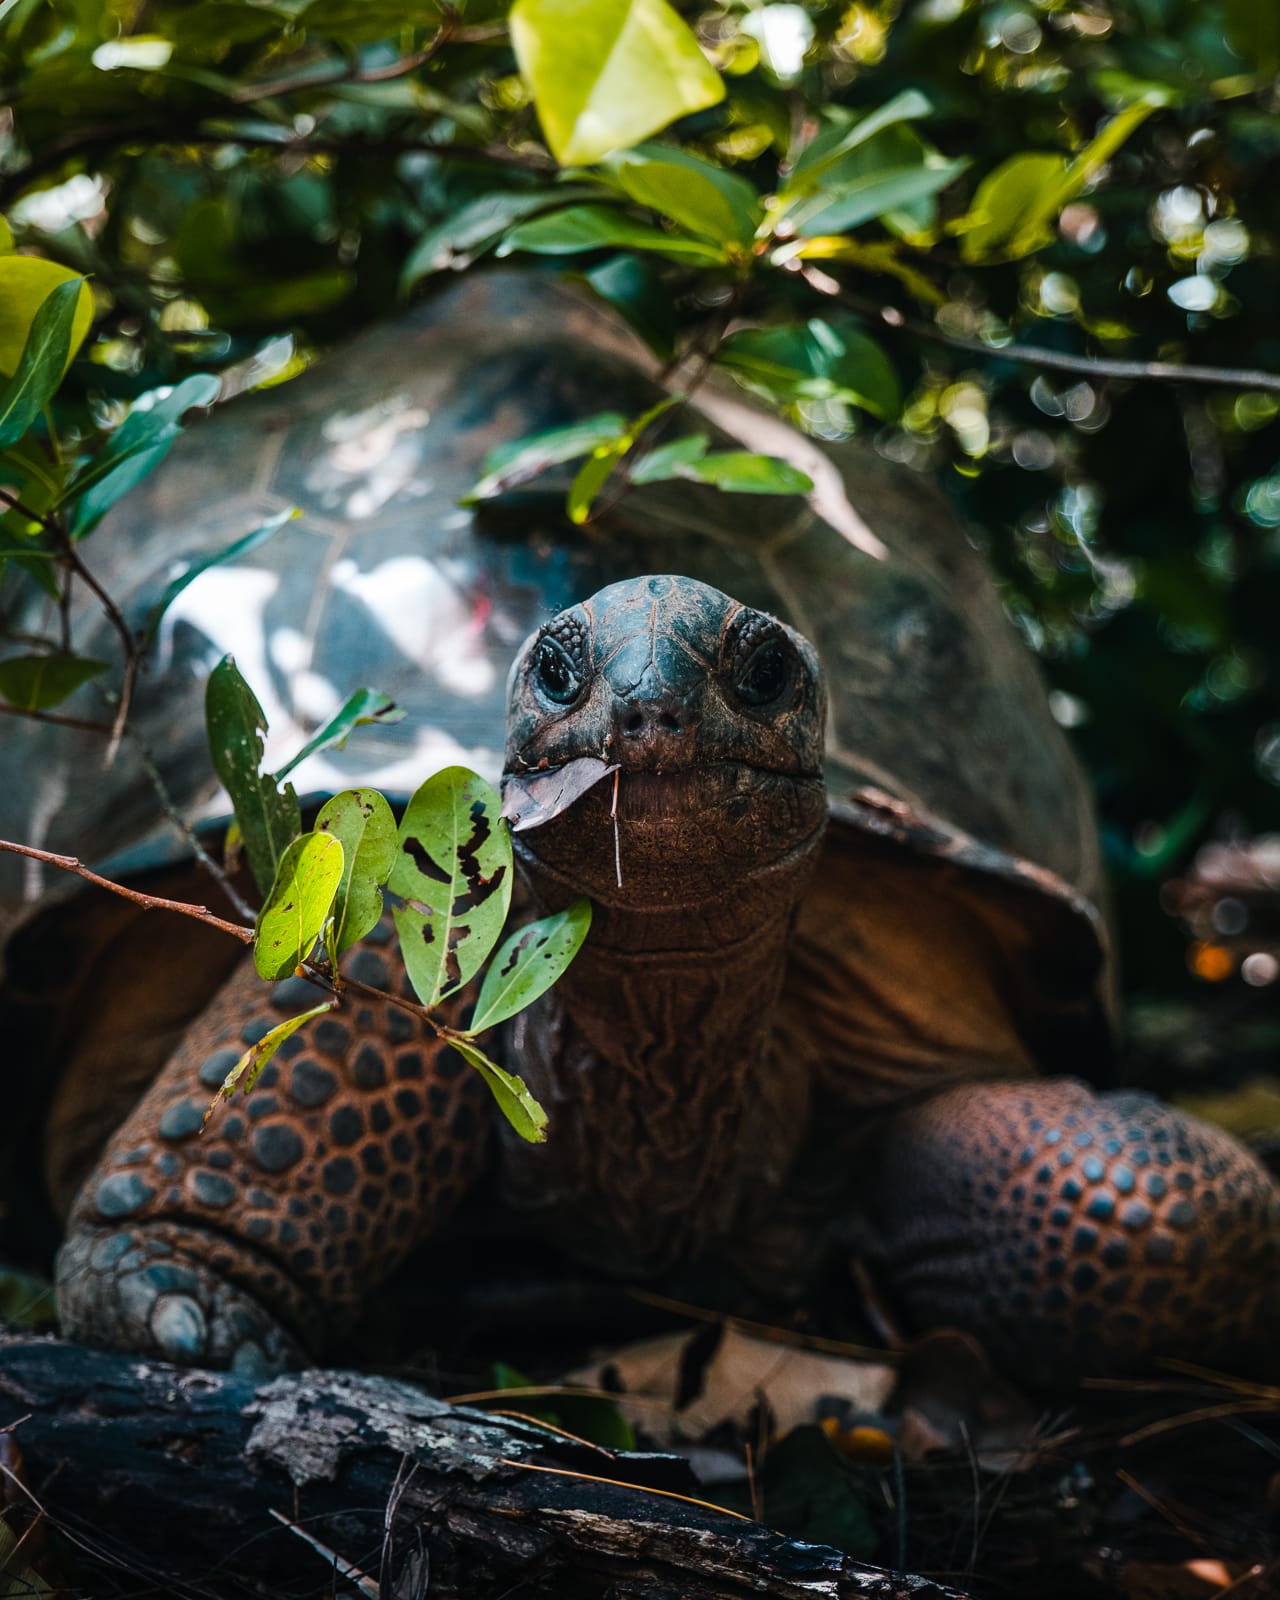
column 83, row 723
column 170, row 809
column 1040, row 355
column 448, row 33
column 148, row 902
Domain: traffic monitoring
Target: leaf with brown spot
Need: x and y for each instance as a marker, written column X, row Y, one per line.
column 531, row 960
column 453, row 869
column 362, row 821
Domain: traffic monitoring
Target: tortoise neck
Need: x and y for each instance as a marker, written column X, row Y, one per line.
column 668, row 1111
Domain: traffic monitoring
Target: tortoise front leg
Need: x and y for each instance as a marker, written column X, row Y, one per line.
column 1071, row 1232
column 250, row 1244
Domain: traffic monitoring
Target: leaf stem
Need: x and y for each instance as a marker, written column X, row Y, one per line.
column 83, row 723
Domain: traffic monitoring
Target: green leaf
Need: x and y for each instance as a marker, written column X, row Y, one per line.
column 605, row 74
column 515, row 1102
column 740, row 472
column 1013, row 208
column 516, row 463
column 593, row 227
column 453, row 866
column 257, row 1055
column 364, row 707
column 1016, row 206
column 37, row 682
column 530, row 961
column 362, row 821
column 670, row 460
column 840, row 137
column 44, row 360
column 235, row 724
column 473, row 228
column 701, row 197
column 26, row 282
column 594, row 473
column 289, row 923
column 138, row 445
column 840, row 207
column 189, row 574
column 815, row 361
column 592, row 476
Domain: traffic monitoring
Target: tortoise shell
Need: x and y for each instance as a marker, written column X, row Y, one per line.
column 949, row 780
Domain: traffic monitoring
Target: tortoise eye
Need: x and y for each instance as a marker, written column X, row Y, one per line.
column 554, row 673
column 766, row 673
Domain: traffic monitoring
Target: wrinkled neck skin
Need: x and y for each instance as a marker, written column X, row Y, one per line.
column 670, row 1112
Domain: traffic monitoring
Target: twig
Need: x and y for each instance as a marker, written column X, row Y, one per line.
column 85, row 724
column 1039, row 355
column 448, row 33
column 148, row 902
column 352, row 1573
column 621, row 1483
column 212, row 867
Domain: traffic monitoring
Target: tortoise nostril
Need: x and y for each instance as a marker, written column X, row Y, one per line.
column 653, row 719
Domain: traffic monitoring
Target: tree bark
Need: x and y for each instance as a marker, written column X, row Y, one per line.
column 207, row 1483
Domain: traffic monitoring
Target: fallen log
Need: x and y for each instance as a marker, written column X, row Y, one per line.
column 327, row 1481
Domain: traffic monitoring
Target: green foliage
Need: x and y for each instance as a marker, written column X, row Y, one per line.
column 269, row 817
column 35, row 683
column 750, row 186
column 45, row 354
column 528, row 963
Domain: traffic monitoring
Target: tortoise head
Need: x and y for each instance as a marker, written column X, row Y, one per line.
column 715, row 717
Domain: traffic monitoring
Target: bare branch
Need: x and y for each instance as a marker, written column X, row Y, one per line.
column 1039, row 355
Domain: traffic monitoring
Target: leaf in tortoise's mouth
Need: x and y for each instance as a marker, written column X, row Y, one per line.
column 532, row 798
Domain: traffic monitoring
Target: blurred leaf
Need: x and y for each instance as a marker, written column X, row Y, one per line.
column 362, row 821
column 1253, row 29
column 515, row 1102
column 295, row 911
column 595, row 227
column 26, row 282
column 364, row 707
column 136, row 448
column 26, row 1302
column 244, row 1074
column 595, row 471
column 633, row 286
column 841, row 136
column 815, row 361
column 38, row 682
column 518, row 462
column 357, row 22
column 530, row 961
column 741, row 472
column 44, row 359
column 473, row 228
column 268, row 818
column 605, row 74
column 842, row 206
column 238, row 547
column 1016, row 206
column 670, row 460
column 703, row 198
column 453, row 868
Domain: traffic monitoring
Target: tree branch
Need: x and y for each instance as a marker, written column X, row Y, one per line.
column 83, row 723
column 1040, row 355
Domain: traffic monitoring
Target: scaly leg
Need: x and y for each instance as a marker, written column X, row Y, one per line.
column 250, row 1244
column 1073, row 1232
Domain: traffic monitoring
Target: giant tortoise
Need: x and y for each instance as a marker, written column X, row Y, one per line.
column 842, row 987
